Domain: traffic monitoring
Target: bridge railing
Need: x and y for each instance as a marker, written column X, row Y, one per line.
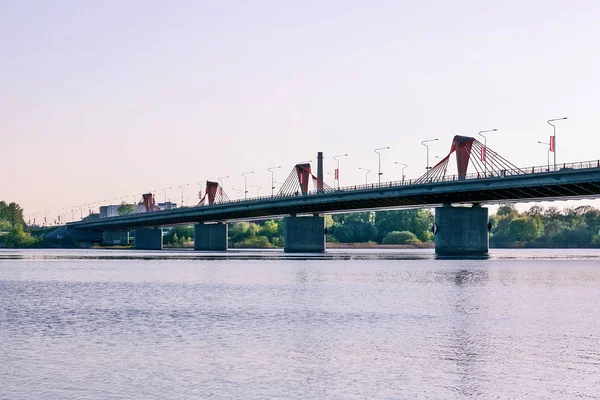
column 413, row 182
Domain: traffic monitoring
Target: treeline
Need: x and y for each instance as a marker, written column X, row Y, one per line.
column 383, row 227
column 540, row 227
column 12, row 227
column 536, row 227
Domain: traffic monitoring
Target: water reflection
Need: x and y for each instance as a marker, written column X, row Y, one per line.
column 355, row 327
column 466, row 328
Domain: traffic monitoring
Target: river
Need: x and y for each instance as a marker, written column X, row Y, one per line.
column 350, row 324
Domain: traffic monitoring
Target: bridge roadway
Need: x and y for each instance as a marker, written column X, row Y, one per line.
column 578, row 181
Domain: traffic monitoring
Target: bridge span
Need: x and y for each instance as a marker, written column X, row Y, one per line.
column 457, row 230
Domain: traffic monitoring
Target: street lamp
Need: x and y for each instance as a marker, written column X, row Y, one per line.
column 238, row 191
column 547, row 144
column 423, row 143
column 379, row 157
column 220, row 179
column 481, row 133
column 181, row 187
column 257, row 190
column 402, row 171
column 246, row 183
column 200, row 183
column 366, row 174
column 553, row 138
column 273, row 179
column 337, row 174
column 165, row 192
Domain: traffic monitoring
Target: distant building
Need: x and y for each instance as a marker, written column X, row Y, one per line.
column 113, row 210
column 166, row 206
column 109, row 211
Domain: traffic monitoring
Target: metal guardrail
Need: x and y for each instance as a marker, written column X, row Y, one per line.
column 412, row 182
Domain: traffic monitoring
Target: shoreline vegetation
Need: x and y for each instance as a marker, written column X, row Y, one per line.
column 538, row 227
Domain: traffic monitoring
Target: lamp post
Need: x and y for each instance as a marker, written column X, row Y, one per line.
column 199, row 183
column 238, row 191
column 165, row 192
column 553, row 139
column 181, row 187
column 547, row 144
column 423, row 143
column 481, row 133
column 402, row 170
column 377, row 150
column 257, row 190
column 337, row 174
column 273, row 179
column 246, row 183
column 366, row 174
column 220, row 179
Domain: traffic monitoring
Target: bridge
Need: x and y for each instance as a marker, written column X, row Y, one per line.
column 461, row 223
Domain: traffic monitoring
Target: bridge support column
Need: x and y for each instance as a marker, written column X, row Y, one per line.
column 461, row 230
column 304, row 234
column 148, row 239
column 115, row 237
column 211, row 237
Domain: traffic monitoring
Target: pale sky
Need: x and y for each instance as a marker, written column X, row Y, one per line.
column 107, row 99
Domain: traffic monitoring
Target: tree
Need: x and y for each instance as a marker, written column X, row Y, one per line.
column 524, row 229
column 178, row 235
column 11, row 220
column 269, row 229
column 418, row 222
column 401, row 237
column 125, row 209
column 507, row 211
column 239, row 231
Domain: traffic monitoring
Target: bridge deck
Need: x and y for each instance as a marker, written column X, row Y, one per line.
column 580, row 181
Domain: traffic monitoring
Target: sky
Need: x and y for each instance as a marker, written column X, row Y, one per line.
column 105, row 100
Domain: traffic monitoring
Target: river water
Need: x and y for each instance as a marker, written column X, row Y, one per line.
column 104, row 324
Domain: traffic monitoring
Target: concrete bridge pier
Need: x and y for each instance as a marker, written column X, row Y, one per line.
column 461, row 230
column 304, row 234
column 210, row 237
column 115, row 237
column 148, row 239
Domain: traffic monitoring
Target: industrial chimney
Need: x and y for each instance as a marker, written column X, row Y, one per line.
column 320, row 172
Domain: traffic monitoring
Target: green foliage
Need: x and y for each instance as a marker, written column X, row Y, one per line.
column 179, row 235
column 507, row 211
column 240, row 231
column 269, row 229
column 125, row 209
column 258, row 242
column 13, row 224
column 401, row 237
column 524, row 229
column 573, row 227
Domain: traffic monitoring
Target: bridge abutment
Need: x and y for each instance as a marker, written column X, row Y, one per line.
column 210, row 237
column 115, row 237
column 461, row 230
column 148, row 239
column 304, row 234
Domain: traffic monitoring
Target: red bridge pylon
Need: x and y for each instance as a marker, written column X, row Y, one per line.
column 214, row 194
column 471, row 153
column 301, row 181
